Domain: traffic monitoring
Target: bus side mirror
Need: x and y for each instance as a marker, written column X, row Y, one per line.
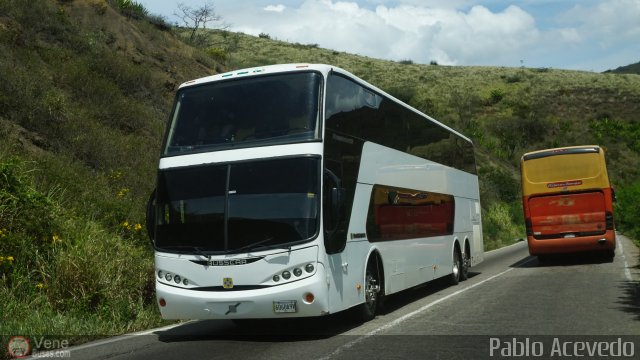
column 151, row 217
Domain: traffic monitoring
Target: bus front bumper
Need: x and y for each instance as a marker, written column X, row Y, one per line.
column 180, row 303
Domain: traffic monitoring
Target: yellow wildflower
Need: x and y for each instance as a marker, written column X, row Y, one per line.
column 56, row 239
column 115, row 175
column 123, row 192
column 39, row 285
column 137, row 227
column 10, row 259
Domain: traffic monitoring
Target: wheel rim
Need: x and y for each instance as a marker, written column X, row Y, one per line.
column 371, row 290
column 456, row 269
column 456, row 265
column 466, row 264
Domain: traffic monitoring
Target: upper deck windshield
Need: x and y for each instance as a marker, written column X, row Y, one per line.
column 250, row 111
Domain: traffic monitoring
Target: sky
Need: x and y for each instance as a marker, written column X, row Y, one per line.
column 589, row 35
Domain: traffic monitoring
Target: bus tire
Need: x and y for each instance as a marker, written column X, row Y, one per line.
column 455, row 276
column 544, row 259
column 369, row 308
column 466, row 264
column 609, row 255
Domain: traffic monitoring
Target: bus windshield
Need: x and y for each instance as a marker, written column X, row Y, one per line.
column 231, row 207
column 256, row 111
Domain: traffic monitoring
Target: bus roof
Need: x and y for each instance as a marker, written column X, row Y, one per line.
column 561, row 151
column 572, row 168
column 322, row 68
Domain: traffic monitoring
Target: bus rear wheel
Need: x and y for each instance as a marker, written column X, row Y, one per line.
column 466, row 264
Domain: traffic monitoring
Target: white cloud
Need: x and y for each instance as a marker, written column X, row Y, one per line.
column 573, row 34
column 570, row 35
column 608, row 23
column 275, row 8
column 418, row 33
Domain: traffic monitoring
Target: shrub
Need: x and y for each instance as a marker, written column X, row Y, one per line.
column 497, row 184
column 91, row 277
column 24, row 211
column 496, row 96
column 627, row 209
column 513, row 78
column 159, row 21
column 606, row 128
column 100, row 7
column 131, row 9
column 498, row 226
column 102, row 273
column 217, row 54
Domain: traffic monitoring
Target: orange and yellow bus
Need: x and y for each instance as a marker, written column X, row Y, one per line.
column 567, row 201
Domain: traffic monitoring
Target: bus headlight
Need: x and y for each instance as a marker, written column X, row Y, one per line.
column 286, row 275
column 297, row 272
column 167, row 276
column 309, row 268
column 276, row 278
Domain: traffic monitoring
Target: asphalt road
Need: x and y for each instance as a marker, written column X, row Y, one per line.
column 512, row 305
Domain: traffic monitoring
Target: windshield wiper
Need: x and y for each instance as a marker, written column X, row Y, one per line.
column 250, row 246
column 196, row 249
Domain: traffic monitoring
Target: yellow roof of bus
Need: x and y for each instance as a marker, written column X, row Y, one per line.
column 571, row 168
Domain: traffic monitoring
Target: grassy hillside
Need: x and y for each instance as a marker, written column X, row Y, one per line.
column 86, row 90
column 84, row 97
column 627, row 69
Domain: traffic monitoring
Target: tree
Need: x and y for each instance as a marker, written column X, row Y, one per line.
column 195, row 19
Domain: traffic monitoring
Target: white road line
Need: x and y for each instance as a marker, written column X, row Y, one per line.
column 505, row 247
column 401, row 319
column 627, row 272
column 123, row 337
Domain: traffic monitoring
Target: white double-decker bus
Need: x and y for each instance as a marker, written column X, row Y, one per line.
column 302, row 190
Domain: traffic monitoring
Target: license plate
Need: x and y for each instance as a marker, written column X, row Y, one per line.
column 286, row 306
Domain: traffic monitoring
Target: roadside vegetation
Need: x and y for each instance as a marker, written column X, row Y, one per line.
column 86, row 90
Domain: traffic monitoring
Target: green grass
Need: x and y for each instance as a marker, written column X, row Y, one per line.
column 81, row 126
column 63, row 273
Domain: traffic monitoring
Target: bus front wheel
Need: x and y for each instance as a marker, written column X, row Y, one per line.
column 369, row 308
column 455, row 276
